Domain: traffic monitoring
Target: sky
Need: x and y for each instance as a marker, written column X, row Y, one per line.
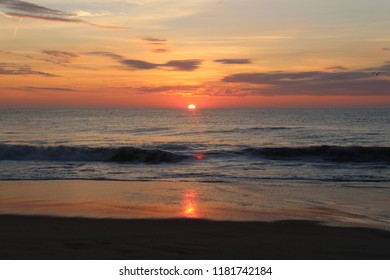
column 215, row 54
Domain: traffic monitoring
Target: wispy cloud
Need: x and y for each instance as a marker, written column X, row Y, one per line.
column 336, row 68
column 25, row 70
column 60, row 57
column 339, row 82
column 108, row 54
column 234, row 61
column 163, row 89
column 161, row 50
column 154, row 42
column 83, row 13
column 150, row 39
column 35, row 89
column 359, row 82
column 22, row 9
column 133, row 64
column 198, row 90
column 385, row 68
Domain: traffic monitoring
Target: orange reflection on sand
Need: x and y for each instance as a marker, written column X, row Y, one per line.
column 190, row 205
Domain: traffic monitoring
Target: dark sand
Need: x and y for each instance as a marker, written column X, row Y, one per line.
column 35, row 237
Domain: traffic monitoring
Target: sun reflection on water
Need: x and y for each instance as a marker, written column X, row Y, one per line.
column 190, row 204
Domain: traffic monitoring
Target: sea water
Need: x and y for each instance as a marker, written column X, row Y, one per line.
column 344, row 147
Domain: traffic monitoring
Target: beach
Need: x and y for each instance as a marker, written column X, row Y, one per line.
column 37, row 237
column 125, row 220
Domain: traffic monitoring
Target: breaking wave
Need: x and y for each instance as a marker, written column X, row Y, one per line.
column 328, row 153
column 73, row 153
column 174, row 153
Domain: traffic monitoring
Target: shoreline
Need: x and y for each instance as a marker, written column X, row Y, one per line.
column 44, row 237
column 213, row 201
column 108, row 220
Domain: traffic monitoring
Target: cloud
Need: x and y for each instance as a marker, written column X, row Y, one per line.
column 138, row 64
column 21, row 6
column 336, row 68
column 21, row 9
column 383, row 68
column 183, row 65
column 156, row 42
column 199, row 90
column 291, row 78
column 108, row 54
column 83, row 13
column 234, row 61
column 11, row 69
column 150, row 39
column 161, row 50
column 163, row 89
column 60, row 57
column 338, row 88
column 353, row 83
column 132, row 64
column 386, row 49
column 34, row 89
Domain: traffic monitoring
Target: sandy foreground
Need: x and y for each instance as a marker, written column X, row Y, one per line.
column 38, row 237
column 167, row 220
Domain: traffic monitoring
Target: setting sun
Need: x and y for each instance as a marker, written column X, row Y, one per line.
column 191, row 106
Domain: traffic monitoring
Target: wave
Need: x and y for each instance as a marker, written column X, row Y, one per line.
column 73, row 153
column 328, row 153
column 174, row 153
column 248, row 129
column 236, row 130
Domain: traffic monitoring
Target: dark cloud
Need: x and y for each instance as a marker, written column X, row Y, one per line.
column 11, row 69
column 386, row 49
column 30, row 8
column 138, row 64
column 234, row 61
column 183, row 65
column 359, row 83
column 21, row 9
column 60, row 57
column 178, row 65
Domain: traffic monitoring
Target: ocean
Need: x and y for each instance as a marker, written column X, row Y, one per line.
column 295, row 151
column 339, row 146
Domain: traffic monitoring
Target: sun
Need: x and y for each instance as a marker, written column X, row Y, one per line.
column 191, row 106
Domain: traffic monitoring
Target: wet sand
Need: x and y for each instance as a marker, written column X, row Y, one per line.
column 40, row 237
column 362, row 207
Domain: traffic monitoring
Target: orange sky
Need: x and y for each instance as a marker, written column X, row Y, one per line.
column 165, row 53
